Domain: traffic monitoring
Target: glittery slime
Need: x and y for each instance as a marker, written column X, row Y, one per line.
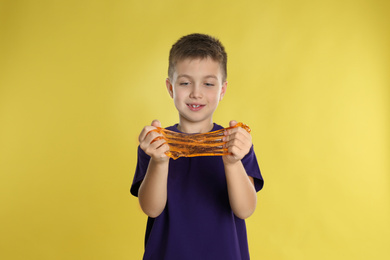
column 192, row 145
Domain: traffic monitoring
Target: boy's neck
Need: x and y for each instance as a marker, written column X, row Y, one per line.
column 195, row 128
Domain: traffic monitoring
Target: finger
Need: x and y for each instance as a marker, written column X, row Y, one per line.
column 241, row 133
column 238, row 144
column 159, row 146
column 151, row 136
column 160, row 137
column 232, row 123
column 235, row 143
column 162, row 150
column 148, row 139
column 156, row 123
column 230, row 131
column 164, row 147
column 238, row 133
column 145, row 131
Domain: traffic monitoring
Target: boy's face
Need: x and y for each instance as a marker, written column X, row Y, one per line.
column 196, row 88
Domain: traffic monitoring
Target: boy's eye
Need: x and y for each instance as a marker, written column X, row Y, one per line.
column 209, row 84
column 184, row 83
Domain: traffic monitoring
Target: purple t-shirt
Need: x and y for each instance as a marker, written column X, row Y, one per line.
column 197, row 222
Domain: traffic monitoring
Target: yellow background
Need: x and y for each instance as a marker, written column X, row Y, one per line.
column 79, row 80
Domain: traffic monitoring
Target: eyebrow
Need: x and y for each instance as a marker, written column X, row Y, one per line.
column 212, row 76
column 188, row 76
column 183, row 76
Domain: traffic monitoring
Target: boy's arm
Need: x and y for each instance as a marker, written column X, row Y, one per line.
column 241, row 190
column 152, row 194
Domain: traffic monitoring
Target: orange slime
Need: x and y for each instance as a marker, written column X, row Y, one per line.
column 192, row 145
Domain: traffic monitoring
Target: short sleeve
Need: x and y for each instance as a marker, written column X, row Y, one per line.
column 252, row 169
column 140, row 171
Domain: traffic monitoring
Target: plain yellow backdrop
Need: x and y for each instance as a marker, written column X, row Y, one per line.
column 79, row 80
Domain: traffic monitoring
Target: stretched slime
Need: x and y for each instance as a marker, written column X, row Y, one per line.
column 192, row 145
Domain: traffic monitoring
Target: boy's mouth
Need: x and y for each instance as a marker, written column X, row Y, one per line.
column 195, row 107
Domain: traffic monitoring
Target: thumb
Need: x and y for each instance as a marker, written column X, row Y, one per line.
column 232, row 123
column 156, row 123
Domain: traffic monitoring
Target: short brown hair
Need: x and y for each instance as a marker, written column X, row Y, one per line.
column 198, row 46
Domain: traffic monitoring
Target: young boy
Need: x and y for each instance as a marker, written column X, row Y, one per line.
column 197, row 205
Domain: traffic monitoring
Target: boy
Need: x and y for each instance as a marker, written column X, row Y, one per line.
column 196, row 206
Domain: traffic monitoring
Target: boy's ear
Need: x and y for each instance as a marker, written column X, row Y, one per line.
column 223, row 90
column 169, row 87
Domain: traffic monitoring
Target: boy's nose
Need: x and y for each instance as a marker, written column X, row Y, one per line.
column 196, row 92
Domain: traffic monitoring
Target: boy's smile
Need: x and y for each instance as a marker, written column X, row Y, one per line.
column 195, row 107
column 196, row 88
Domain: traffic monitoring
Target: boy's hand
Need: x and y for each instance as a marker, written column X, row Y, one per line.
column 238, row 141
column 152, row 143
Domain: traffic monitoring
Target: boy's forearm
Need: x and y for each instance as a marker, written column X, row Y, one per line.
column 152, row 194
column 241, row 190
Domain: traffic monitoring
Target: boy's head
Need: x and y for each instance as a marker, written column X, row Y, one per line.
column 195, row 46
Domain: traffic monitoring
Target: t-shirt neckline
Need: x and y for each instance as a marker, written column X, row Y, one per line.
column 177, row 130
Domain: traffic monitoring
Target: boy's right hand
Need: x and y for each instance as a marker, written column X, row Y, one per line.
column 152, row 143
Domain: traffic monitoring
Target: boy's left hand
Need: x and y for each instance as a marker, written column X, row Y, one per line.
column 238, row 141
